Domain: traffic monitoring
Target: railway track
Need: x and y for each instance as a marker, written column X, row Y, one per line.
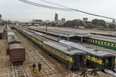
column 48, row 68
column 33, row 56
column 19, row 71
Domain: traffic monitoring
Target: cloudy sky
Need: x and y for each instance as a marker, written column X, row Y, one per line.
column 16, row 10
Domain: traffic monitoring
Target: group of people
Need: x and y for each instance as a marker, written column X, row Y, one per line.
column 39, row 66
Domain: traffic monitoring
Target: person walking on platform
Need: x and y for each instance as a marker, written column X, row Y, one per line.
column 39, row 66
column 34, row 66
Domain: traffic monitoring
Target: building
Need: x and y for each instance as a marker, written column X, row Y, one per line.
column 36, row 21
column 56, row 17
column 63, row 20
column 85, row 19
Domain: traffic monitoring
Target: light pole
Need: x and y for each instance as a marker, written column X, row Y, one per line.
column 46, row 29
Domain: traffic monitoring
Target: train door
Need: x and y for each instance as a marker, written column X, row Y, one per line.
column 79, row 59
column 109, row 62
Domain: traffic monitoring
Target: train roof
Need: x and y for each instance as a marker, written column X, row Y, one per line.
column 64, row 48
column 16, row 46
column 88, row 50
column 105, row 38
column 10, row 33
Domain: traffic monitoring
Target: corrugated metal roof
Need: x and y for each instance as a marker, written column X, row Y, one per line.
column 83, row 48
column 67, row 35
column 64, row 48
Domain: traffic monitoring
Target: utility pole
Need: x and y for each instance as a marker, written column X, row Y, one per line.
column 46, row 28
column 46, row 32
column 75, row 27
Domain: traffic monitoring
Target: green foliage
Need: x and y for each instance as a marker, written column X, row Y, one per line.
column 89, row 25
column 94, row 21
column 97, row 22
column 52, row 24
column 112, row 26
column 74, row 23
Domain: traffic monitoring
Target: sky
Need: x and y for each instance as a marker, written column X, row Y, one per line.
column 19, row 11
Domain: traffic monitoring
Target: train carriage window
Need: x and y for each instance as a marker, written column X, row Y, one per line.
column 95, row 41
column 98, row 42
column 114, row 45
column 101, row 42
column 109, row 44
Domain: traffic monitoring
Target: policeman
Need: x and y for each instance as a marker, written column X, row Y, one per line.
column 39, row 66
column 34, row 66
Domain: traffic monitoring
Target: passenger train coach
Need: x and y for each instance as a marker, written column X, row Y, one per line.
column 95, row 58
column 103, row 41
column 67, row 55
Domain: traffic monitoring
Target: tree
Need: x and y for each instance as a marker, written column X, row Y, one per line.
column 74, row 23
column 69, row 24
column 111, row 26
column 52, row 24
column 94, row 21
column 89, row 25
column 97, row 22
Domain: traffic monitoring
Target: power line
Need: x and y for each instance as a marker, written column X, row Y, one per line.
column 65, row 8
column 78, row 10
column 45, row 6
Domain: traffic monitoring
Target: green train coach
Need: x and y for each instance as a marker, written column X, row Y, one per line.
column 69, row 56
column 103, row 41
column 95, row 58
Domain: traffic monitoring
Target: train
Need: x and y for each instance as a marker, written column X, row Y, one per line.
column 15, row 49
column 103, row 41
column 68, row 56
column 2, row 29
column 99, row 40
column 95, row 58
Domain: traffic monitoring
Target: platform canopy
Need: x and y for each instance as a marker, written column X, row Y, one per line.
column 84, row 35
